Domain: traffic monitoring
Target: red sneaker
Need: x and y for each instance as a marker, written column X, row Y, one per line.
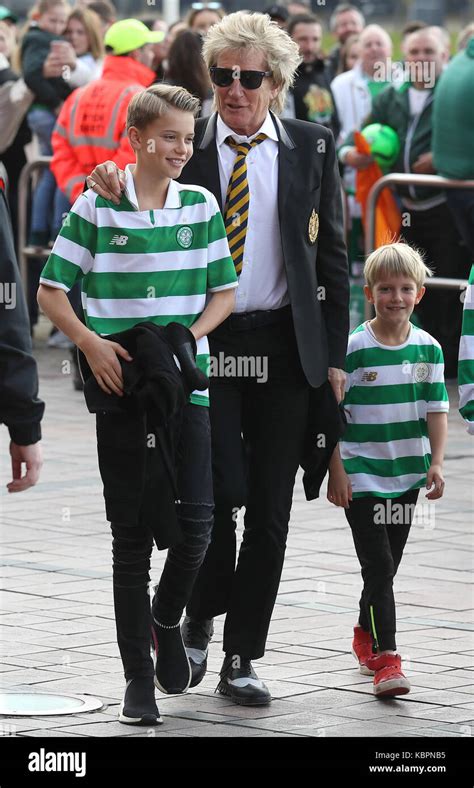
column 389, row 679
column 362, row 649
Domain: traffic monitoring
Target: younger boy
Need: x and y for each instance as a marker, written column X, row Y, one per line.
column 396, row 405
column 161, row 255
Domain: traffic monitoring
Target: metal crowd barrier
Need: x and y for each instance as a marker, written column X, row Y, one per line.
column 410, row 179
column 24, row 185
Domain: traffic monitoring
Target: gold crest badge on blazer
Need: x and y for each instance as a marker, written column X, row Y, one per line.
column 313, row 227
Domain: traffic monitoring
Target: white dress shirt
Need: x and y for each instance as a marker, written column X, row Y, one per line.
column 262, row 282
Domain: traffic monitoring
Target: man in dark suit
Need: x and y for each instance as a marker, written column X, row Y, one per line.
column 278, row 186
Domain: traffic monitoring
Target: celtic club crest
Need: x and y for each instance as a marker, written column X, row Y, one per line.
column 185, row 236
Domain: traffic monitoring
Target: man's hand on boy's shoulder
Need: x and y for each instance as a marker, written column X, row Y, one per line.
column 107, row 181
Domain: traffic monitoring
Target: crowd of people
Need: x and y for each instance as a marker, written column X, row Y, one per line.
column 195, row 183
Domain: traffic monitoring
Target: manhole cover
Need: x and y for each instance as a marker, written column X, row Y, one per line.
column 33, row 704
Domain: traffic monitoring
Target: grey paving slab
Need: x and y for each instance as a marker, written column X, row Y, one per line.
column 58, row 620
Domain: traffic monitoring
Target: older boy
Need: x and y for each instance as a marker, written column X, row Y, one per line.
column 157, row 256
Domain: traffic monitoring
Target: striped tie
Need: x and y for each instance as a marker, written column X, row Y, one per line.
column 236, row 211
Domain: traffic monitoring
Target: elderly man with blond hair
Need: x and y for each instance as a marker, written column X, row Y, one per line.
column 278, row 186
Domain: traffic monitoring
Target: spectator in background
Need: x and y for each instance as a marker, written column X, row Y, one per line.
column 174, row 30
column 354, row 92
column 278, row 14
column 186, row 68
column 161, row 48
column 445, row 39
column 83, row 31
column 464, row 36
column 346, row 20
column 203, row 15
column 15, row 99
column 8, row 18
column 453, row 137
column 411, row 27
column 311, row 92
column 426, row 220
column 83, row 54
column 20, row 408
column 106, row 12
column 299, row 8
column 80, row 57
column 349, row 53
column 44, row 33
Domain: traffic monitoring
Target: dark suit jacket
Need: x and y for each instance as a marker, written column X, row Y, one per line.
column 316, row 271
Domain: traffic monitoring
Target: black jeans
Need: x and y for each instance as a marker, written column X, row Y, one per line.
column 132, row 548
column 257, row 436
column 380, row 530
column 440, row 311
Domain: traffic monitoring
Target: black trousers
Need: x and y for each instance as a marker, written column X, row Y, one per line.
column 440, row 311
column 132, row 547
column 257, row 431
column 380, row 529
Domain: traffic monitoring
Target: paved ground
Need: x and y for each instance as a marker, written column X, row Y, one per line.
column 57, row 614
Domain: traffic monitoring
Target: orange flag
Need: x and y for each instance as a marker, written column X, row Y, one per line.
column 387, row 214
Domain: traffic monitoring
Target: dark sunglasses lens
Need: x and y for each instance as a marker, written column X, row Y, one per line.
column 251, row 80
column 222, row 77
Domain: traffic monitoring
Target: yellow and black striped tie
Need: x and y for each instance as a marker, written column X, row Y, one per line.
column 236, row 210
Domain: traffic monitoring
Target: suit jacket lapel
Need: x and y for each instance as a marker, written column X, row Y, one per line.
column 287, row 166
column 206, row 163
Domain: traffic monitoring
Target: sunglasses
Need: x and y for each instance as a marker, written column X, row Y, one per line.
column 250, row 80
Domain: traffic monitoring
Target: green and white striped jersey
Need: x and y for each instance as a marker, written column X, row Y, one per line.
column 466, row 358
column 137, row 266
column 389, row 391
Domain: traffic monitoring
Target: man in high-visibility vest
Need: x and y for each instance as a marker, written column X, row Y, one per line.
column 91, row 125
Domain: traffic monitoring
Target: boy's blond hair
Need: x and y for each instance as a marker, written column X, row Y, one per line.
column 397, row 259
column 155, row 101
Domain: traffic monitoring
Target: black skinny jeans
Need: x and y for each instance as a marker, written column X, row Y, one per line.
column 132, row 548
column 380, row 530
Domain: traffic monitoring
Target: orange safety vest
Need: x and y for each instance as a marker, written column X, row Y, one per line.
column 91, row 125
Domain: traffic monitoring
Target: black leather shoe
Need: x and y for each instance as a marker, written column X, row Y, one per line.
column 240, row 682
column 196, row 637
column 139, row 706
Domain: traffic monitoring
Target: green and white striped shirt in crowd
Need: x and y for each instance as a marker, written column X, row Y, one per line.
column 466, row 358
column 137, row 266
column 389, row 392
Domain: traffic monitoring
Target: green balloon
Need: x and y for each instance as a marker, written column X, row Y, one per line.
column 384, row 144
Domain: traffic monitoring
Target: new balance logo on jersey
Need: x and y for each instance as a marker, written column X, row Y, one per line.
column 119, row 240
column 369, row 376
